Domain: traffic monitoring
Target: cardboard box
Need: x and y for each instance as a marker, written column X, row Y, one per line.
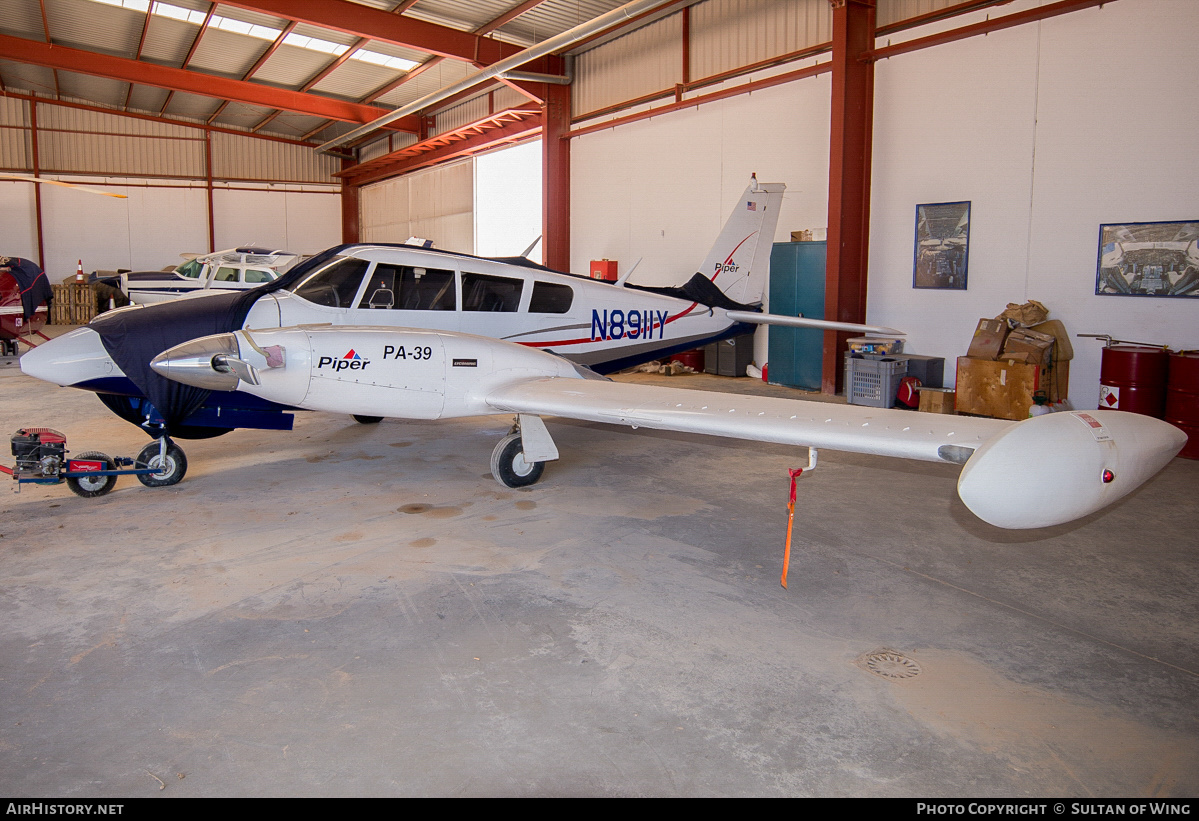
column 988, row 339
column 1062, row 349
column 1004, row 389
column 1029, row 346
column 937, row 400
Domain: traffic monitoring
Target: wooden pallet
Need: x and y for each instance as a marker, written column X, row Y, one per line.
column 74, row 304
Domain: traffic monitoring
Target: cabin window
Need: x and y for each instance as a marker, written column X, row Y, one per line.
column 409, row 288
column 487, row 293
column 335, row 285
column 257, row 277
column 551, row 298
column 226, row 275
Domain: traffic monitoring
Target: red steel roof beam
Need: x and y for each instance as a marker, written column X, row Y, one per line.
column 406, row 159
column 376, row 24
column 93, row 63
column 985, row 27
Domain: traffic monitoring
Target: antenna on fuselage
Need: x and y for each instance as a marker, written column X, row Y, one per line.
column 625, row 276
column 525, row 253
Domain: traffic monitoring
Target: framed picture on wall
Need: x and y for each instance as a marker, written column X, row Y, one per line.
column 942, row 245
column 1148, row 259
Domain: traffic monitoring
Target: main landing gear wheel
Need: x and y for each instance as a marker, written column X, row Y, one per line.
column 367, row 420
column 89, row 487
column 508, row 464
column 170, row 467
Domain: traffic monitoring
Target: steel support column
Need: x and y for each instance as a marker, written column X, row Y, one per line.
column 849, row 178
column 37, row 189
column 349, row 207
column 555, row 174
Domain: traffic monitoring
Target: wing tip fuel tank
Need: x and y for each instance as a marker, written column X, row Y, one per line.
column 1060, row 467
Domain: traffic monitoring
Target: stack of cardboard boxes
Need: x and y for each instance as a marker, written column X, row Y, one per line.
column 1009, row 361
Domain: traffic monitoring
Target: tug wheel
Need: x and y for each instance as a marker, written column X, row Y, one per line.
column 171, row 468
column 508, row 464
column 89, row 487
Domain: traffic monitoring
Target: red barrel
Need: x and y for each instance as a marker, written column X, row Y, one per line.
column 1133, row 378
column 1182, row 399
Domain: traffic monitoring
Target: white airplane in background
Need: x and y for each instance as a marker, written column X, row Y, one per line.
column 407, row 332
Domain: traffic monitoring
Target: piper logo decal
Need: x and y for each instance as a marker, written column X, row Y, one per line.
column 350, row 362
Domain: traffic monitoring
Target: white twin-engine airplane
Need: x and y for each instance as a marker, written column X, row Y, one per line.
column 381, row 331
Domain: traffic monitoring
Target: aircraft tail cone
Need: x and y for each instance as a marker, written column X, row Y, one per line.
column 197, row 362
column 1060, row 467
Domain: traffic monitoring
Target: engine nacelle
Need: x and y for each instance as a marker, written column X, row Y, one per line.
column 370, row 371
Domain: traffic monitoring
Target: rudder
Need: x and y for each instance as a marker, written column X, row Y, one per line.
column 739, row 262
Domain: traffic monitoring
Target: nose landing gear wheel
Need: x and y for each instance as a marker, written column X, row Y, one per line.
column 508, row 464
column 89, row 487
column 170, row 468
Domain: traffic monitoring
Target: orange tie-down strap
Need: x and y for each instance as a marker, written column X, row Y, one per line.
column 795, row 474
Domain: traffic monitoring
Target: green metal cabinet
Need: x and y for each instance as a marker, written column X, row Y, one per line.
column 797, row 288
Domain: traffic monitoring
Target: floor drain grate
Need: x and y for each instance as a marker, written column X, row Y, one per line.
column 890, row 665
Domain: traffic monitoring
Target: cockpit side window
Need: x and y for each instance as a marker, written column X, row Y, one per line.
column 335, row 285
column 551, row 298
column 481, row 292
column 257, row 276
column 409, row 288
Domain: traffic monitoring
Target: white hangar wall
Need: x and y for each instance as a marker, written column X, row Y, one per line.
column 1049, row 129
column 160, row 220
column 264, row 191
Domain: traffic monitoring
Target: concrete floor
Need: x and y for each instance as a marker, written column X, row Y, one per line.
column 361, row 610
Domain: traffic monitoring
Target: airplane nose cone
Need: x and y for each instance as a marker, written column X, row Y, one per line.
column 75, row 358
column 192, row 363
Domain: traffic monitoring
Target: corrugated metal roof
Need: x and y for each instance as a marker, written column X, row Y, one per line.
column 22, row 18
column 158, row 39
column 167, row 40
column 291, row 66
column 223, row 52
column 94, row 26
column 353, row 76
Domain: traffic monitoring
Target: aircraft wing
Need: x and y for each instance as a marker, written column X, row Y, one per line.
column 905, row 434
column 1042, row 471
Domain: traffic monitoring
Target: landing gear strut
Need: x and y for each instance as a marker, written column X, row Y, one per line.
column 509, row 466
column 167, row 461
column 519, row 458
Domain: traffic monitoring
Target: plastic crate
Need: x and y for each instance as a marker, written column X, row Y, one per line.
column 873, row 382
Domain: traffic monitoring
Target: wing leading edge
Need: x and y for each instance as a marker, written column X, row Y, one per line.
column 903, row 434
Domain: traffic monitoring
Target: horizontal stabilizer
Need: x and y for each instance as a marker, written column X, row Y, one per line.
column 803, row 322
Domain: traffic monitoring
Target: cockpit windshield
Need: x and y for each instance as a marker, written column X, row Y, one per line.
column 335, row 284
column 190, row 269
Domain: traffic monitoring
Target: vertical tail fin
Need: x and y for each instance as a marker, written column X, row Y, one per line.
column 739, row 262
